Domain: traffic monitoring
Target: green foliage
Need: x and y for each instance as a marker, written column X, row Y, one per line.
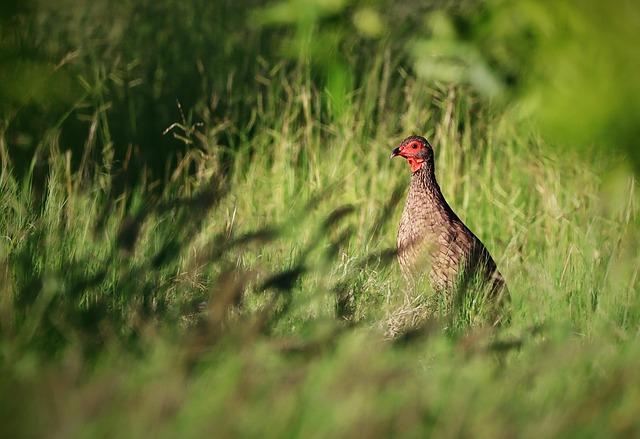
column 570, row 66
column 241, row 279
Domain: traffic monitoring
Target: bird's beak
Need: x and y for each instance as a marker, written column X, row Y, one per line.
column 395, row 152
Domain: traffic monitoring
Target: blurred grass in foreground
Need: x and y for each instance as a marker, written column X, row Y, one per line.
column 246, row 288
column 251, row 304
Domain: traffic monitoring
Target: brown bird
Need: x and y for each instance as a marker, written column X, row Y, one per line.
column 432, row 239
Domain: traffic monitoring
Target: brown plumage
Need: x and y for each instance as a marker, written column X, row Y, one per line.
column 431, row 238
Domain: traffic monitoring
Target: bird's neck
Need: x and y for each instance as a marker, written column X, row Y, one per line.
column 425, row 194
column 424, row 184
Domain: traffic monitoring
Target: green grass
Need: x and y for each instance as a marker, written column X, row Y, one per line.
column 248, row 291
column 103, row 331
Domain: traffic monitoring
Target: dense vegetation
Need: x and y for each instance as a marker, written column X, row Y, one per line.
column 198, row 218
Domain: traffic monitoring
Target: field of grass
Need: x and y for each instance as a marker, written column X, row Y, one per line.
column 250, row 289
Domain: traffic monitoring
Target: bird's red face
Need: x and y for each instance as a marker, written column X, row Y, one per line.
column 416, row 150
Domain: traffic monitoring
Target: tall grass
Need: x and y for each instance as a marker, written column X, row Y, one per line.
column 250, row 290
column 255, row 302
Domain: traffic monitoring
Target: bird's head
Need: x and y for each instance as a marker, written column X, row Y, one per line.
column 416, row 150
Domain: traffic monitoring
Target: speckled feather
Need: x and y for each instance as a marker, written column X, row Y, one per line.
column 432, row 239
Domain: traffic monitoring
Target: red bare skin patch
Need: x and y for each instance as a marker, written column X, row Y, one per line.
column 415, row 163
column 412, row 153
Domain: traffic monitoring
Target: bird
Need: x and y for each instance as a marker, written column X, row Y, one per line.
column 433, row 240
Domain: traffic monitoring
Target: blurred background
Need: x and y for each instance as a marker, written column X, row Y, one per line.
column 198, row 217
column 569, row 66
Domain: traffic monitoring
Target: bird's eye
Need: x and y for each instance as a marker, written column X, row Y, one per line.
column 415, row 145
